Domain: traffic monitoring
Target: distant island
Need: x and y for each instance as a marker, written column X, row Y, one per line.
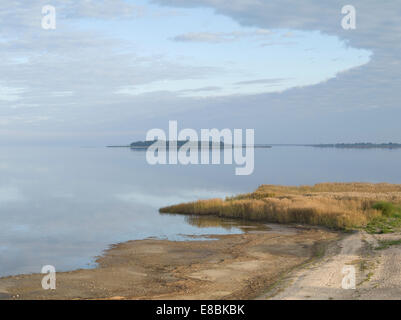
column 362, row 145
column 143, row 145
column 180, row 143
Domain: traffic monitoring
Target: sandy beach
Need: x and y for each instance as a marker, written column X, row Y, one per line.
column 243, row 266
column 278, row 262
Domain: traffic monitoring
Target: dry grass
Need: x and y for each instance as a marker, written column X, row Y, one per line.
column 334, row 205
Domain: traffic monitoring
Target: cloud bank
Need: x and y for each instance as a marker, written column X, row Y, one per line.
column 48, row 91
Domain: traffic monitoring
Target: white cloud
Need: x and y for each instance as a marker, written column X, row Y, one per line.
column 10, row 194
column 262, row 81
column 10, row 94
column 219, row 37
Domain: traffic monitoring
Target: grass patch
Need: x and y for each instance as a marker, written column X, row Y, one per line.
column 388, row 222
column 384, row 244
column 388, row 209
column 345, row 206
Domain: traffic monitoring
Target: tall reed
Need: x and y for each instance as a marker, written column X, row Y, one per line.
column 334, row 205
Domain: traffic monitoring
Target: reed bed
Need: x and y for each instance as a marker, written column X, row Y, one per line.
column 333, row 205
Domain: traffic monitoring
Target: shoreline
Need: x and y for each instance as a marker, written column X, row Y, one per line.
column 239, row 266
column 286, row 262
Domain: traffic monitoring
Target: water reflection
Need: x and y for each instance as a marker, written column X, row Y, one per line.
column 227, row 224
column 64, row 206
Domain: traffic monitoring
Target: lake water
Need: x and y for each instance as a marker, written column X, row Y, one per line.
column 64, row 206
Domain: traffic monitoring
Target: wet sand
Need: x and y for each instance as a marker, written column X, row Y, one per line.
column 243, row 266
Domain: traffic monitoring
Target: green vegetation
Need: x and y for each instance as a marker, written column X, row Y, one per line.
column 384, row 244
column 388, row 222
column 344, row 206
column 387, row 208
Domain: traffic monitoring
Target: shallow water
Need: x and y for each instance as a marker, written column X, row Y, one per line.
column 64, row 206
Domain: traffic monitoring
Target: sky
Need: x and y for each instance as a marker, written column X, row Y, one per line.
column 112, row 69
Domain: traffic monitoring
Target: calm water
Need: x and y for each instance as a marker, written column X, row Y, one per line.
column 64, row 206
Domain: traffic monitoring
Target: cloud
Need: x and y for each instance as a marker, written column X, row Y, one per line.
column 19, row 14
column 105, row 9
column 10, row 94
column 262, row 81
column 10, row 194
column 71, row 77
column 287, row 43
column 204, row 37
column 202, row 89
column 288, row 35
column 371, row 91
column 219, row 37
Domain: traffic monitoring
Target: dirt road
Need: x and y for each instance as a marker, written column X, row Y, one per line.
column 378, row 272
